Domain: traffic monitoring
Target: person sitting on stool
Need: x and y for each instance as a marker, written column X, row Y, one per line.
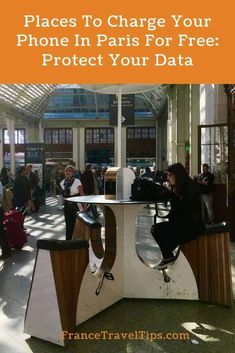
column 184, row 220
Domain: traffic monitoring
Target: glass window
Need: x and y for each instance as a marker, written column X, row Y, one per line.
column 96, row 136
column 110, row 136
column 214, row 150
column 58, row 136
column 62, row 136
column 137, row 133
column 19, row 136
column 16, row 136
column 88, row 135
column 6, row 137
column 99, row 135
column 103, row 136
column 141, row 133
column 47, row 136
column 152, row 132
column 69, row 136
column 130, row 133
column 145, row 133
column 55, row 136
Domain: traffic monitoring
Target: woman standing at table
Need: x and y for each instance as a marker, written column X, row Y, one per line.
column 71, row 186
column 185, row 221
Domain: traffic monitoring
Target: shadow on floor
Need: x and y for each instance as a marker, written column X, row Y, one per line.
column 203, row 328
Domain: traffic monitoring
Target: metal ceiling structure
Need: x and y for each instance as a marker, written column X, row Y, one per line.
column 25, row 100
column 29, row 101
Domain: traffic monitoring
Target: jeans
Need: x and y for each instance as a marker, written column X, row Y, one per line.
column 207, row 208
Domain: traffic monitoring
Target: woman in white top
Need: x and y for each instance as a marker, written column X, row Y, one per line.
column 71, row 186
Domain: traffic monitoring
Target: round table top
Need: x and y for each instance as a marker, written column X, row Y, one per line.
column 100, row 199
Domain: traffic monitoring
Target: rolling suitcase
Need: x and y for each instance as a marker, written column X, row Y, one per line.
column 13, row 224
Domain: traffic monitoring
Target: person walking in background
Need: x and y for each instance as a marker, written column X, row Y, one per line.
column 6, row 185
column 148, row 174
column 21, row 190
column 59, row 178
column 1, row 192
column 33, row 182
column 88, row 183
column 206, row 183
column 6, row 177
column 71, row 186
column 6, row 250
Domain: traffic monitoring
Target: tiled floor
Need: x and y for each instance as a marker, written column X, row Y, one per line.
column 124, row 316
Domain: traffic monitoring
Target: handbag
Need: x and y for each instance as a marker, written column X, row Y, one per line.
column 60, row 201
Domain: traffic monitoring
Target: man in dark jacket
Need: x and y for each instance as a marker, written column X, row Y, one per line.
column 87, row 180
column 88, row 184
column 22, row 191
column 206, row 182
column 6, row 250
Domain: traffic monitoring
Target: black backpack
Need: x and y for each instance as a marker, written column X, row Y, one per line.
column 144, row 189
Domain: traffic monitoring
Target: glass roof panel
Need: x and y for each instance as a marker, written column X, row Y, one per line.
column 34, row 99
column 26, row 98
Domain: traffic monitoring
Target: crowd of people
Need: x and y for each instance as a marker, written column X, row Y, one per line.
column 19, row 192
column 191, row 200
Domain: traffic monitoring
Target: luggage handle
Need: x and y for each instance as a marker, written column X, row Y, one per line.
column 23, row 210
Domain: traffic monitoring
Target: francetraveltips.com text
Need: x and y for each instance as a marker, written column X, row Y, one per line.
column 134, row 335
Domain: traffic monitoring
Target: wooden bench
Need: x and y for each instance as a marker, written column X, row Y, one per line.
column 86, row 227
column 58, row 273
column 209, row 258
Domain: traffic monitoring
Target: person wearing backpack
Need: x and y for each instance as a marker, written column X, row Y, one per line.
column 184, row 220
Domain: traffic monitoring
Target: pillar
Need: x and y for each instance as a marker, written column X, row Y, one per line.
column 76, row 146
column 40, row 132
column 171, row 125
column 81, row 147
column 115, row 146
column 194, row 123
column 182, row 124
column 157, row 161
column 123, row 150
column 1, row 148
column 10, row 122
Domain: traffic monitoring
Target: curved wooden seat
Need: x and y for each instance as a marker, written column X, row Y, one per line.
column 222, row 227
column 59, row 245
column 86, row 227
column 88, row 220
column 209, row 257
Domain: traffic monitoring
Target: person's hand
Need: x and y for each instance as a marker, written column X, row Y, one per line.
column 83, row 207
column 167, row 185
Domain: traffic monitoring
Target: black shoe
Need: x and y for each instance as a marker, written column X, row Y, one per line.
column 164, row 262
column 5, row 256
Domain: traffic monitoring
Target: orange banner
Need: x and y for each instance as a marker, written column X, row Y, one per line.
column 117, row 41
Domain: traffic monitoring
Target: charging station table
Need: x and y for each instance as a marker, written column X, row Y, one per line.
column 121, row 273
column 72, row 283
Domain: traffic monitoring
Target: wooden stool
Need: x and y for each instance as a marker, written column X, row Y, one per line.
column 57, row 277
column 209, row 257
